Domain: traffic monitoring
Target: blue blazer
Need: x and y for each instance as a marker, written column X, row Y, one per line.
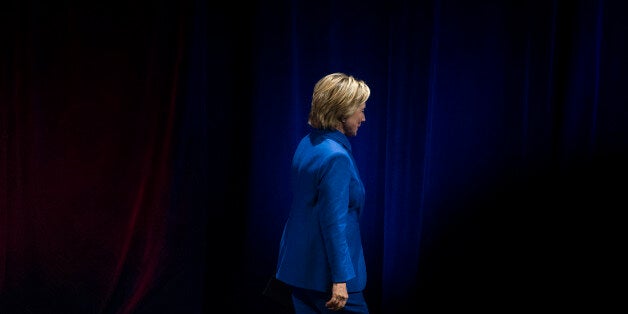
column 321, row 241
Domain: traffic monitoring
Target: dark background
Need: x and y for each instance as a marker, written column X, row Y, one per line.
column 145, row 149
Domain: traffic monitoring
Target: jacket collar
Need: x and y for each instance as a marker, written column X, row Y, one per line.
column 334, row 135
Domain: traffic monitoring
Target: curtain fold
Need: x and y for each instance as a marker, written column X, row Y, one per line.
column 88, row 108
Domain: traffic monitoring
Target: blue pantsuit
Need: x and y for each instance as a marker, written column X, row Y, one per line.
column 321, row 242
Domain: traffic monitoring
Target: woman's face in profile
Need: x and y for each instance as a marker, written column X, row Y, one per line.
column 351, row 125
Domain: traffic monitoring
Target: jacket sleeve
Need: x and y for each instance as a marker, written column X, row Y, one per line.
column 333, row 203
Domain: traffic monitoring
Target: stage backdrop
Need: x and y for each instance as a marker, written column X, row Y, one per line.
column 145, row 150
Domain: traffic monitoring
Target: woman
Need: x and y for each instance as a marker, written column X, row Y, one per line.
column 320, row 254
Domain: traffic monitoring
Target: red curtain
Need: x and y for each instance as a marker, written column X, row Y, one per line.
column 88, row 107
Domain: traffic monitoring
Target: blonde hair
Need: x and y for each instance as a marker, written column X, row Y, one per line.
column 336, row 96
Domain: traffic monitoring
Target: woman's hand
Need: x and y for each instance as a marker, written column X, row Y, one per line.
column 339, row 296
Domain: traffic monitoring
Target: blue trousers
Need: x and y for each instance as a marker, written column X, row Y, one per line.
column 313, row 302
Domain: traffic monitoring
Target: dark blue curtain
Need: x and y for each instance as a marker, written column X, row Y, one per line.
column 145, row 149
column 492, row 137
